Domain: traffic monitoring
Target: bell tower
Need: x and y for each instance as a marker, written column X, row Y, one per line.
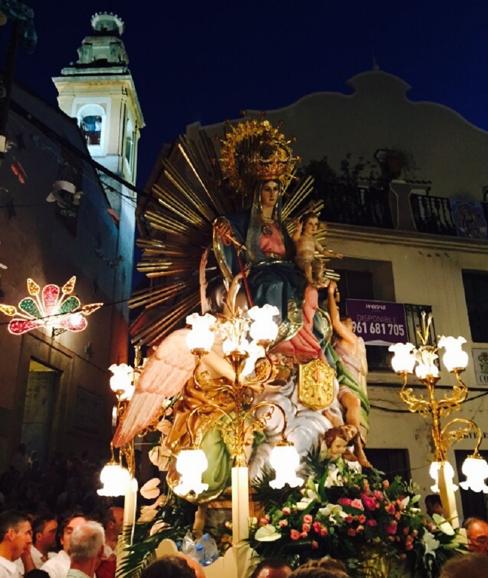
column 98, row 91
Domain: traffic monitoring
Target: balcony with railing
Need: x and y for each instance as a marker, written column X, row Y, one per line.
column 361, row 195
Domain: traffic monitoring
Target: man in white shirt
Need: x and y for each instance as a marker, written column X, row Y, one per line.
column 58, row 565
column 15, row 539
column 86, row 550
column 44, row 537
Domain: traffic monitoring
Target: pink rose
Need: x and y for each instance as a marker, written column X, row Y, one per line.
column 362, row 519
column 357, row 504
column 369, row 502
column 315, row 545
column 372, row 523
column 303, row 534
column 378, row 495
column 307, row 519
column 294, row 534
column 323, row 531
column 306, row 528
column 345, row 501
column 386, row 484
column 360, row 528
column 286, row 511
column 351, row 532
column 391, row 528
column 390, row 508
column 349, row 519
column 317, row 526
column 283, row 523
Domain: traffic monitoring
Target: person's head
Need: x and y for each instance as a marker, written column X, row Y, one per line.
column 272, row 568
column 269, row 194
column 86, row 542
column 194, row 565
column 477, row 531
column 67, row 528
column 113, row 520
column 324, row 568
column 433, row 504
column 37, row 573
column 466, row 566
column 44, row 530
column 311, row 224
column 15, row 534
column 169, row 567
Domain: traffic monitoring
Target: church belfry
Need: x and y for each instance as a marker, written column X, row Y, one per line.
column 98, row 90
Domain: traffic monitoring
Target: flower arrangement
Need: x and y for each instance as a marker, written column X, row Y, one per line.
column 354, row 516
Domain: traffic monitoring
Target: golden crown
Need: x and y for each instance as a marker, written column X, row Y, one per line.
column 254, row 150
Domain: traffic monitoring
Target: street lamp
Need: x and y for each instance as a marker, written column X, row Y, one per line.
column 423, row 361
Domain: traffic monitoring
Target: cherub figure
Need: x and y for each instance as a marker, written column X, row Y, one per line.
column 307, row 248
column 336, row 442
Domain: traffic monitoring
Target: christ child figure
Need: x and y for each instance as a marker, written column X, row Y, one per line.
column 308, row 247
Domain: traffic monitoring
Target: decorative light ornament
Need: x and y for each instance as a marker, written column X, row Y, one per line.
column 454, row 357
column 285, row 461
column 426, row 367
column 254, row 352
column 191, row 464
column 434, row 474
column 263, row 327
column 201, row 336
column 403, row 360
column 115, row 479
column 121, row 382
column 51, row 307
column 475, row 469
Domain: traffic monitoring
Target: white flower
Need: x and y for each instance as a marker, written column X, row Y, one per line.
column 404, row 503
column 304, row 503
column 443, row 525
column 333, row 512
column 267, row 533
column 430, row 543
column 334, row 477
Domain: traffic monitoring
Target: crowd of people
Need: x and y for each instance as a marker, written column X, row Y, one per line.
column 41, row 511
column 48, row 542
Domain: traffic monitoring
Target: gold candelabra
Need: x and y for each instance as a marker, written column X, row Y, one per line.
column 408, row 359
column 228, row 400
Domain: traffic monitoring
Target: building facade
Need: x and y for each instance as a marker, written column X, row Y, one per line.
column 62, row 214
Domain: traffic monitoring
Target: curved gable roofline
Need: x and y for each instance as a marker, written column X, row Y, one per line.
column 369, row 78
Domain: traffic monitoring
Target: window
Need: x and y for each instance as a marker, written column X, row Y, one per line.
column 476, row 293
column 393, row 462
column 129, row 143
column 91, row 119
column 91, row 126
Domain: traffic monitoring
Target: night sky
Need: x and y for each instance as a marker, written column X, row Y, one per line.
column 207, row 61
